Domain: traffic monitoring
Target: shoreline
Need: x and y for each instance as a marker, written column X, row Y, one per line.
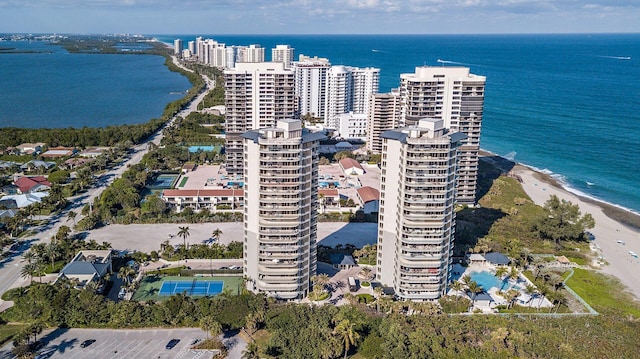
column 625, row 216
column 616, row 231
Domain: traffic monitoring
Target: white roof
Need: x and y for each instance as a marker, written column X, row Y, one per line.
column 476, row 257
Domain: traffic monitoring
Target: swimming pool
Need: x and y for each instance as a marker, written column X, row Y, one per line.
column 233, row 184
column 194, row 149
column 325, row 184
column 488, row 280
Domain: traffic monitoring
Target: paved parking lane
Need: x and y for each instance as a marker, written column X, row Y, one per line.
column 112, row 343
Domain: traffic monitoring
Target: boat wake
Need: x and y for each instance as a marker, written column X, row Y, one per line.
column 443, row 62
column 376, row 50
column 616, row 57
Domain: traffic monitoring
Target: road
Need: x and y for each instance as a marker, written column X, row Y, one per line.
column 11, row 266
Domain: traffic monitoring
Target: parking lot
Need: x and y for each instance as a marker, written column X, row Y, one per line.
column 112, row 343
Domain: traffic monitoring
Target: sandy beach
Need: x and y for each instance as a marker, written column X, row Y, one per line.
column 607, row 231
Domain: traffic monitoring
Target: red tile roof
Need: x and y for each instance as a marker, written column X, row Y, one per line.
column 26, row 184
column 347, row 163
column 368, row 194
column 329, row 192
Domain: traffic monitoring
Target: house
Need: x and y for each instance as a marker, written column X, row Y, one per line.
column 7, row 213
column 32, row 184
column 87, row 266
column 74, row 162
column 497, row 258
column 30, row 148
column 369, row 198
column 93, row 152
column 212, row 199
column 329, row 200
column 342, row 261
column 475, row 258
column 351, row 167
column 37, row 164
column 8, row 164
column 22, row 200
column 60, row 151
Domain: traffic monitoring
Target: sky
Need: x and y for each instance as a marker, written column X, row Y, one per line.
column 319, row 16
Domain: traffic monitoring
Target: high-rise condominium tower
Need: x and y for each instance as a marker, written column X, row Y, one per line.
column 282, row 53
column 383, row 114
column 311, row 85
column 178, row 45
column 457, row 97
column 281, row 208
column 256, row 96
column 417, row 209
column 348, row 90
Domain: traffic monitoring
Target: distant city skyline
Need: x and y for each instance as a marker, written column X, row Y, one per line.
column 319, row 17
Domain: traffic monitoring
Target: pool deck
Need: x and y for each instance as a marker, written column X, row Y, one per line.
column 497, row 299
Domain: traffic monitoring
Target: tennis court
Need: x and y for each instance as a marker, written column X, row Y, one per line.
column 191, row 287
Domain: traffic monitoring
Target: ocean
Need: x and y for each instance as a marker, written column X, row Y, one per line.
column 568, row 105
column 53, row 88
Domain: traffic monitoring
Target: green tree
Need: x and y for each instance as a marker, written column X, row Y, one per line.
column 562, row 221
column 184, row 233
column 216, row 233
column 501, row 272
column 210, row 325
column 474, row 289
column 346, row 334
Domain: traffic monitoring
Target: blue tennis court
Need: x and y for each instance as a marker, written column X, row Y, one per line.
column 191, row 287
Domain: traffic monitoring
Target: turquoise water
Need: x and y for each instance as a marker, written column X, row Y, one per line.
column 488, row 280
column 194, row 149
column 58, row 89
column 564, row 104
column 239, row 184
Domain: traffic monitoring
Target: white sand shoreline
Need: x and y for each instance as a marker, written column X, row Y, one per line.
column 607, row 231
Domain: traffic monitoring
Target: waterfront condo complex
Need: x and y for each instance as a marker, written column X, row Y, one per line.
column 416, row 223
column 457, row 97
column 281, row 208
column 256, row 96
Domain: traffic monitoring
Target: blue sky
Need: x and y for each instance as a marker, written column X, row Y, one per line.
column 319, row 16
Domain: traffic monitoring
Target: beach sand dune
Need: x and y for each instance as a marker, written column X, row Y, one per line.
column 607, row 231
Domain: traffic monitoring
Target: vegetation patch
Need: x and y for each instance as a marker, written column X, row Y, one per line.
column 603, row 293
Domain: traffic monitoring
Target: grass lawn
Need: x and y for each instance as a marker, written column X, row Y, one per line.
column 8, row 330
column 150, row 286
column 183, row 182
column 603, row 292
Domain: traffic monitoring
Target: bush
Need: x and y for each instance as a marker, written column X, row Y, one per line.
column 365, row 298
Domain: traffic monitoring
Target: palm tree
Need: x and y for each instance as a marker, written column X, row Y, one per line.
column 210, row 325
column 216, row 234
column 511, row 296
column 513, row 274
column 52, row 251
column 319, row 282
column 466, row 279
column 456, row 286
column 184, row 233
column 530, row 290
column 501, row 272
column 366, row 273
column 72, row 216
column 29, row 270
column 474, row 288
column 251, row 351
column 125, row 274
column 346, row 334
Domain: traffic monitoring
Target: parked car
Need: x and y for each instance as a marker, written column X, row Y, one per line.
column 122, row 293
column 87, row 342
column 172, row 343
